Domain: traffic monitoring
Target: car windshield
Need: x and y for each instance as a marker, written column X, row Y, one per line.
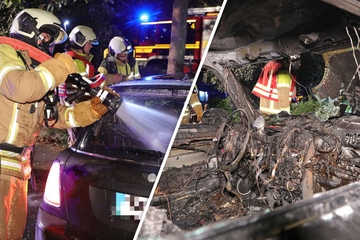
column 143, row 124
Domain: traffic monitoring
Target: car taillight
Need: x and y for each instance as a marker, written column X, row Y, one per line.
column 52, row 189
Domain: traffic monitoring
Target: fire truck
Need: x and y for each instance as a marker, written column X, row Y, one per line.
column 151, row 40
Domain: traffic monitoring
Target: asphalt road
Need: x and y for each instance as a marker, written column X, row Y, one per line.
column 45, row 154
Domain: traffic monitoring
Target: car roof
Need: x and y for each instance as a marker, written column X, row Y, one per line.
column 159, row 81
column 164, row 87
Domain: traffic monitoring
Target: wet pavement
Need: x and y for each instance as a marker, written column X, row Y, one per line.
column 45, row 155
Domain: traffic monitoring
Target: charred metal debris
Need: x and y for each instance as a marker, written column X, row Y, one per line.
column 279, row 164
column 289, row 161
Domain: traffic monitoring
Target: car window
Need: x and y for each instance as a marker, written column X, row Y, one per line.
column 141, row 126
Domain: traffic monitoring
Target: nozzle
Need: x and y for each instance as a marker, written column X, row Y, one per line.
column 112, row 102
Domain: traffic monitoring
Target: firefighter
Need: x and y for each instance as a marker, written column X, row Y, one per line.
column 119, row 64
column 275, row 88
column 25, row 81
column 81, row 40
column 194, row 110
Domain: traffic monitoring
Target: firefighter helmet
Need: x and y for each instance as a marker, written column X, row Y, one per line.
column 30, row 23
column 119, row 45
column 82, row 34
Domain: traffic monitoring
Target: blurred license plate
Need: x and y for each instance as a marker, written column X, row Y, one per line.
column 127, row 207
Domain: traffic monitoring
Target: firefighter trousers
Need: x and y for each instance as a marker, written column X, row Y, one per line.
column 13, row 207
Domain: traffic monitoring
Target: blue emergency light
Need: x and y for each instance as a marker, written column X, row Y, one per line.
column 144, row 17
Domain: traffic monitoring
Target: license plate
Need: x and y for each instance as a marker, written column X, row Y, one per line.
column 127, row 207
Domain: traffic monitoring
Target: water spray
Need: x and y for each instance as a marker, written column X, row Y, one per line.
column 152, row 127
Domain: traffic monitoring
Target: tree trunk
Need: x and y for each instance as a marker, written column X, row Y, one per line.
column 178, row 37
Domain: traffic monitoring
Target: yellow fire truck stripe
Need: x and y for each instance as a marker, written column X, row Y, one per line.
column 149, row 49
column 164, row 22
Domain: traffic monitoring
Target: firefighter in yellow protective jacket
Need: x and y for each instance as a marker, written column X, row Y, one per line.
column 24, row 81
column 194, row 108
column 275, row 88
column 119, row 65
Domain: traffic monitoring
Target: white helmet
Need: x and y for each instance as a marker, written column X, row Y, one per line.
column 30, row 23
column 82, row 34
column 118, row 45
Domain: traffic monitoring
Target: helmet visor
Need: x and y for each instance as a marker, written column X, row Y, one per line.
column 94, row 42
column 128, row 47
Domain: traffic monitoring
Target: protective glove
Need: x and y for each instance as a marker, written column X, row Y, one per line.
column 199, row 116
column 110, row 91
column 97, row 108
column 68, row 61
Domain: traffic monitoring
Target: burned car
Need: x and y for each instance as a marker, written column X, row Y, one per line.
column 98, row 188
column 276, row 178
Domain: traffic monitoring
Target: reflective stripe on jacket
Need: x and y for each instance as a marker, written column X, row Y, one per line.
column 280, row 98
column 269, row 89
